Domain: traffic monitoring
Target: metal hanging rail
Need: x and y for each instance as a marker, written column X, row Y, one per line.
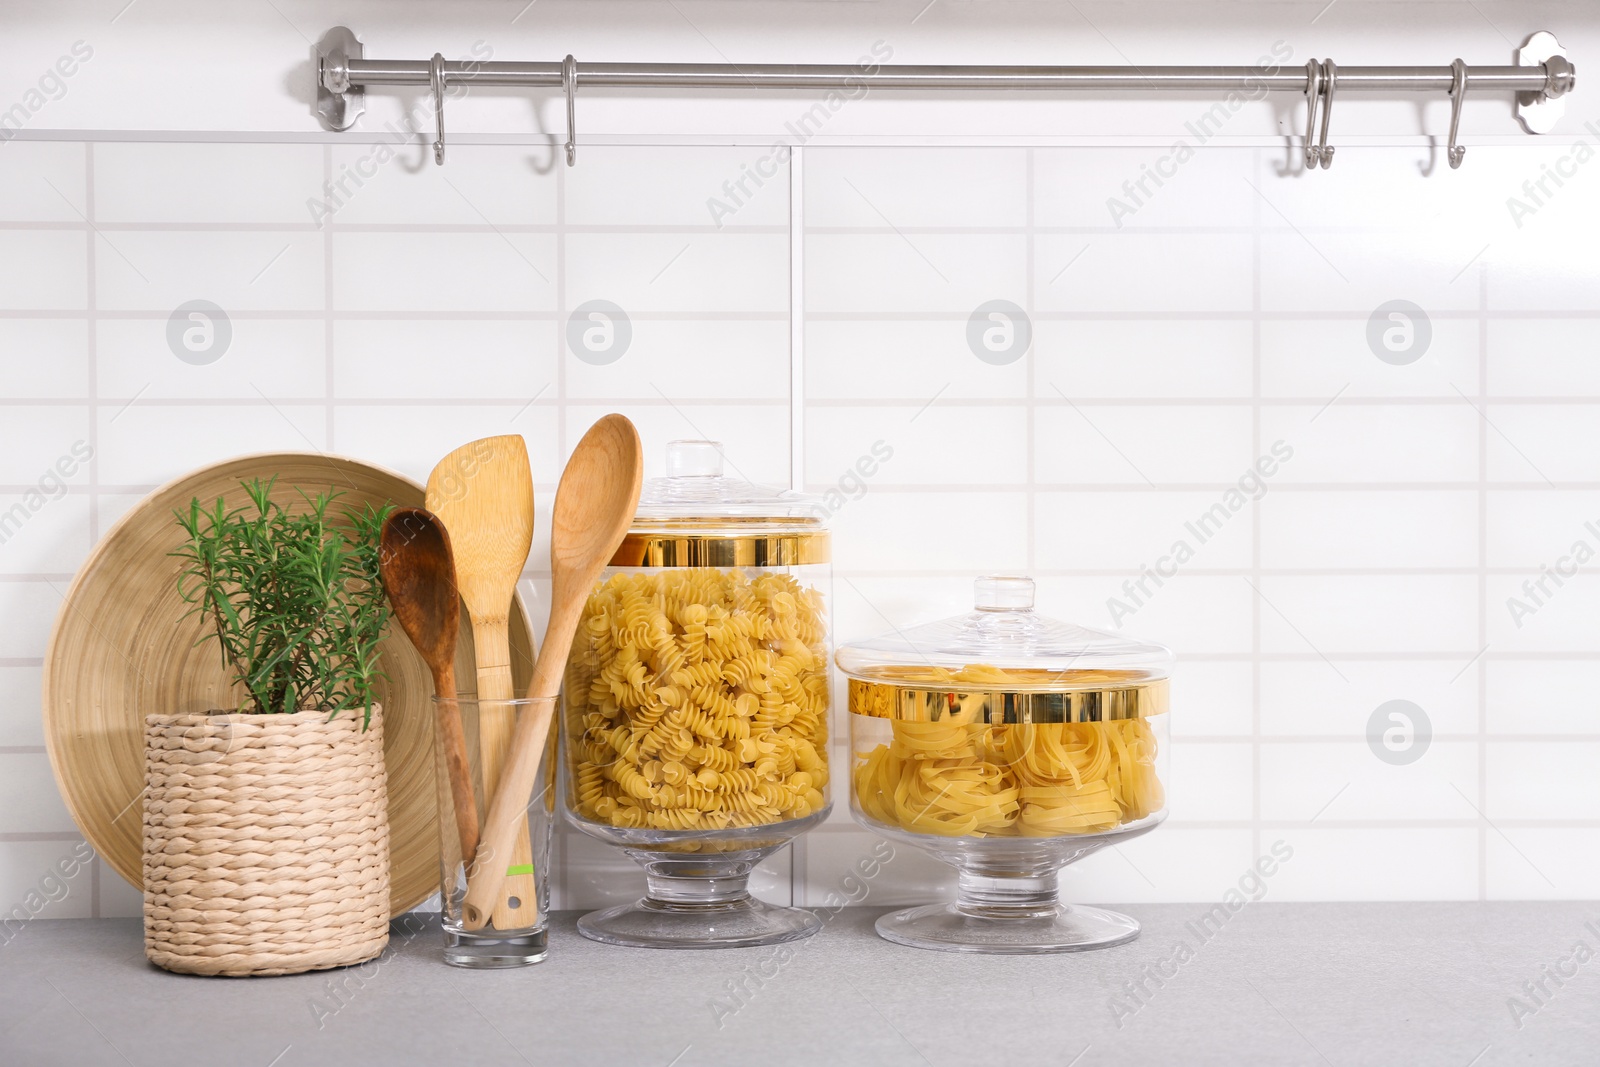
column 1541, row 77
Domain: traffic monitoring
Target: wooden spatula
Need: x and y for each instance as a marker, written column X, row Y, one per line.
column 595, row 504
column 483, row 493
column 419, row 574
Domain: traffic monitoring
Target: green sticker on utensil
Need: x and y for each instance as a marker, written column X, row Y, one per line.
column 519, row 868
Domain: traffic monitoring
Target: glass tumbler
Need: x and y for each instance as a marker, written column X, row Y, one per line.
column 518, row 933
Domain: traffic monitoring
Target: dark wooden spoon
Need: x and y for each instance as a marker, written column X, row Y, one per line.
column 419, row 574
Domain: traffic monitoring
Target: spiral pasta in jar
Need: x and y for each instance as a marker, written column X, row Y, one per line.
column 697, row 687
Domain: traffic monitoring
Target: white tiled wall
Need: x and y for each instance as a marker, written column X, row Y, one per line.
column 1168, row 354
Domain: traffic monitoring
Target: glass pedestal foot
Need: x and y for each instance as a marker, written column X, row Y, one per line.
column 1058, row 928
column 656, row 924
column 708, row 908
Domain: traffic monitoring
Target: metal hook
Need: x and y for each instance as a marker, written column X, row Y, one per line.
column 436, row 79
column 569, row 85
column 1313, row 100
column 1458, row 90
column 1330, row 75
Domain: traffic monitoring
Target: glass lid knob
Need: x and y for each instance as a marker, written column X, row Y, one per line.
column 694, row 459
column 996, row 592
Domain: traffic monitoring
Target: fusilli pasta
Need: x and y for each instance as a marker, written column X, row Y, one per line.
column 697, row 699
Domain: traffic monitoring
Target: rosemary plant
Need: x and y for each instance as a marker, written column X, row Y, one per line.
column 294, row 600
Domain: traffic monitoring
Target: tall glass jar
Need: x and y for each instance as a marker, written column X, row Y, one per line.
column 1008, row 745
column 696, row 704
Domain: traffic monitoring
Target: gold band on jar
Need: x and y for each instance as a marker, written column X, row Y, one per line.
column 979, row 705
column 688, row 548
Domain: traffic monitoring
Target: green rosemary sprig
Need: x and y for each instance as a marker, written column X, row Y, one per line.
column 294, row 600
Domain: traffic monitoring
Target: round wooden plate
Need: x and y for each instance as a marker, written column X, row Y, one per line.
column 123, row 648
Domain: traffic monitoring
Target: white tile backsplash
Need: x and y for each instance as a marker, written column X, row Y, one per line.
column 1369, row 613
column 484, row 186
column 44, row 359
column 710, row 358
column 37, row 602
column 1544, row 443
column 1336, row 782
column 31, row 877
column 628, row 187
column 899, row 359
column 1144, row 274
column 241, row 271
column 1308, row 699
column 481, row 272
column 1372, row 863
column 647, row 273
column 1125, row 188
column 147, row 444
column 1083, row 443
column 1323, row 358
column 913, row 272
column 942, row 188
column 1563, row 769
column 29, row 801
column 153, row 182
column 1543, row 697
column 1369, row 529
column 20, row 722
column 48, row 536
column 1166, row 358
column 43, row 270
column 923, row 445
column 1336, row 442
column 35, row 438
column 43, row 181
column 1128, row 531
column 284, row 359
column 432, row 306
column 1543, row 863
column 399, row 359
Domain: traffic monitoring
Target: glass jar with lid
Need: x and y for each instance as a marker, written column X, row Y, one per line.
column 1008, row 745
column 695, row 722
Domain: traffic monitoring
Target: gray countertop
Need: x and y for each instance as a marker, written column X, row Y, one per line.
column 1328, row 984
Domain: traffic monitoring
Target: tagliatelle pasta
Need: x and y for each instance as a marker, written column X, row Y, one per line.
column 697, row 699
column 957, row 777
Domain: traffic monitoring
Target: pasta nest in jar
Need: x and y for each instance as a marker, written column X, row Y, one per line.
column 697, row 699
column 957, row 777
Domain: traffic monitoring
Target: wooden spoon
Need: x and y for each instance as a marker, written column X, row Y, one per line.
column 595, row 503
column 419, row 574
column 483, row 493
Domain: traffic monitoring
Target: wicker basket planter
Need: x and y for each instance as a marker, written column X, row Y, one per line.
column 266, row 842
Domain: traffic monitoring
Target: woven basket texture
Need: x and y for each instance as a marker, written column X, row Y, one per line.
column 266, row 842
